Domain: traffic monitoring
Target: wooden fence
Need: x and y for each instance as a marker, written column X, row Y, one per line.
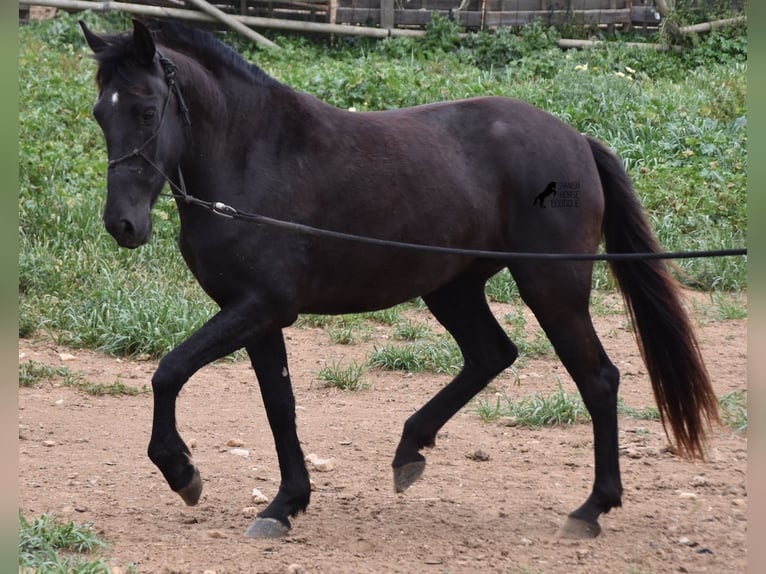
column 382, row 18
column 483, row 14
column 472, row 14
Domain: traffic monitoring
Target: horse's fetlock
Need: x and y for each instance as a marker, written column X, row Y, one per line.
column 414, row 436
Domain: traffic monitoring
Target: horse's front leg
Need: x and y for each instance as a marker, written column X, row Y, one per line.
column 226, row 332
column 270, row 363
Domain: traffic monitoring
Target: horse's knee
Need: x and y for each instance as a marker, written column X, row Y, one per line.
column 494, row 360
column 169, row 377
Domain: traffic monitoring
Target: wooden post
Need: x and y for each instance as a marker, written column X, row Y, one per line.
column 387, row 14
column 333, row 11
column 236, row 25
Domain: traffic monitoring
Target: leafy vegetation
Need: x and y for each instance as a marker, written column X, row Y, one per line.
column 435, row 356
column 349, row 378
column 560, row 408
column 32, row 373
column 50, row 546
column 734, row 410
column 678, row 120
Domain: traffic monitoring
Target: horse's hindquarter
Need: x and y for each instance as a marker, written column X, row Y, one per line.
column 460, row 174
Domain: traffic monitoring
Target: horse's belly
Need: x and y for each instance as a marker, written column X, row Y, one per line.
column 382, row 282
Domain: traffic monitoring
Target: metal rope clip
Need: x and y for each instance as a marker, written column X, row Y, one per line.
column 224, row 210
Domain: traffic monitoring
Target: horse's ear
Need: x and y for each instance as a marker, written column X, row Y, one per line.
column 96, row 43
column 143, row 43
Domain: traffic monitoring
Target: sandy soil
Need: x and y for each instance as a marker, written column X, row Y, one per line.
column 83, row 458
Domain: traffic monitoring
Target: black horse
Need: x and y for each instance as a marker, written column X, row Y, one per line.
column 176, row 104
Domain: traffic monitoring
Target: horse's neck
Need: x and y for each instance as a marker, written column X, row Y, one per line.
column 231, row 113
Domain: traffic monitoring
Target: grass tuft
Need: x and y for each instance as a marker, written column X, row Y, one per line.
column 50, row 546
column 557, row 409
column 437, row 356
column 348, row 378
column 734, row 410
column 32, row 373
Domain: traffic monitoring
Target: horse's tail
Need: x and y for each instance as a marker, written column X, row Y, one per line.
column 680, row 382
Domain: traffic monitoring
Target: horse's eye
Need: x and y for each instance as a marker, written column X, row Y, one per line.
column 148, row 115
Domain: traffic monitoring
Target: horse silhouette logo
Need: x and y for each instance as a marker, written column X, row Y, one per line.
column 550, row 189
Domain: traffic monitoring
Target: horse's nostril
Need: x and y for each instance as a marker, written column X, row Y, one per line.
column 127, row 227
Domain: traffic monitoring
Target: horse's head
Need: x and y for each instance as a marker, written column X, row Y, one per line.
column 138, row 111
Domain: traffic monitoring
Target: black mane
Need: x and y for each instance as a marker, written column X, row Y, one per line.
column 194, row 42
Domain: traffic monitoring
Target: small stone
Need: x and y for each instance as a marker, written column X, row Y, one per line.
column 295, row 569
column 259, row 497
column 235, row 442
column 216, row 534
column 699, row 481
column 687, row 495
column 478, row 455
column 243, row 452
column 250, row 511
column 686, row 541
column 582, row 553
column 208, row 572
column 320, row 464
column 191, row 443
column 738, row 502
column 59, row 402
column 67, row 357
column 49, row 443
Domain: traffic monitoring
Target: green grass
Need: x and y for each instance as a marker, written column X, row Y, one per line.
column 644, row 414
column 720, row 306
column 733, row 407
column 435, row 356
column 677, row 120
column 32, row 373
column 48, row 545
column 408, row 330
column 559, row 408
column 531, row 343
column 562, row 408
column 348, row 378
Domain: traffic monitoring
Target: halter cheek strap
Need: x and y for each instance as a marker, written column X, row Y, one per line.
column 169, row 68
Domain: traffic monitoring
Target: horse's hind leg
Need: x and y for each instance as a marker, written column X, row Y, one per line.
column 462, row 308
column 558, row 294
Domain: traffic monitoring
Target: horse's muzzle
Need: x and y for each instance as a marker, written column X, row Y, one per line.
column 126, row 233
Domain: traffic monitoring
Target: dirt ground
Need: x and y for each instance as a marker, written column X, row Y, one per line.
column 83, row 457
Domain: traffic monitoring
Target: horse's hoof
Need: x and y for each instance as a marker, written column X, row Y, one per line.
column 192, row 491
column 576, row 528
column 267, row 528
column 407, row 474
